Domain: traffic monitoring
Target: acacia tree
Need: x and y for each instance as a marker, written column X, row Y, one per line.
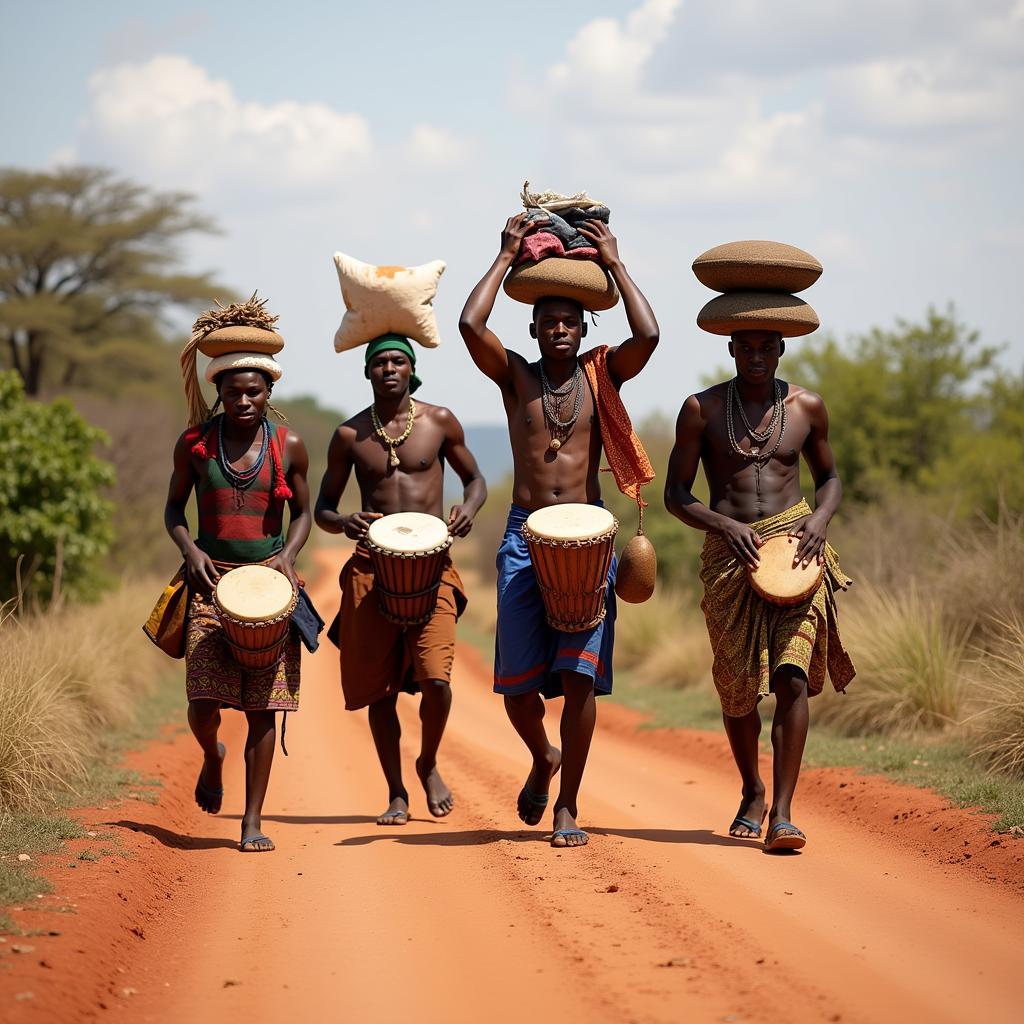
column 88, row 269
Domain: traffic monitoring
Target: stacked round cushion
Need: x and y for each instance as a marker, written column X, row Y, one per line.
column 758, row 279
column 584, row 280
column 241, row 347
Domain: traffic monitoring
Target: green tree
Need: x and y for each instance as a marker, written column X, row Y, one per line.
column 88, row 267
column 52, row 512
column 898, row 398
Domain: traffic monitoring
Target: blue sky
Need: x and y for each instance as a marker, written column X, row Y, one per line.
column 884, row 138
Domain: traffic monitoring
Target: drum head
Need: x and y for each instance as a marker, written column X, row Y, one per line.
column 570, row 522
column 409, row 533
column 777, row 579
column 254, row 593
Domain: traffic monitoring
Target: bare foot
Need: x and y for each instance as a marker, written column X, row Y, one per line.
column 397, row 812
column 750, row 816
column 209, row 792
column 566, row 833
column 533, row 797
column 439, row 796
column 253, row 840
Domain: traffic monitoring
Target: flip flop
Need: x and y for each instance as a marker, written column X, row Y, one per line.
column 564, row 833
column 791, row 839
column 747, row 823
column 246, row 847
column 535, row 806
column 392, row 818
column 208, row 794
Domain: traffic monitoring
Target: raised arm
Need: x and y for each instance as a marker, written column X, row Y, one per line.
column 629, row 358
column 682, row 471
column 828, row 489
column 200, row 572
column 484, row 346
column 339, row 469
column 300, row 521
column 461, row 459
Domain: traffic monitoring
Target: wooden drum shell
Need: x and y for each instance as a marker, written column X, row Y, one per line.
column 256, row 644
column 407, row 582
column 573, row 578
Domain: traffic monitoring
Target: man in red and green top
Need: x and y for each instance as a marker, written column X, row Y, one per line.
column 244, row 471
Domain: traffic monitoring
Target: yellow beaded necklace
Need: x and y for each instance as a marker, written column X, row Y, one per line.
column 393, row 442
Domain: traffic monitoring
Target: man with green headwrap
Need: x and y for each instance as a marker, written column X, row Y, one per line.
column 398, row 448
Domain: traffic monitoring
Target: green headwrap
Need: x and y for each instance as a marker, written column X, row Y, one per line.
column 393, row 343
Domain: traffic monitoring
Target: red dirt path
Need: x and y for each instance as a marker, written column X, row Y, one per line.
column 900, row 909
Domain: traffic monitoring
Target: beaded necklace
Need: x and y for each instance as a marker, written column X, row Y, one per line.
column 393, row 442
column 552, row 398
column 241, row 479
column 756, row 454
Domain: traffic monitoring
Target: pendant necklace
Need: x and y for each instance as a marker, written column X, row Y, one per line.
column 756, row 454
column 393, row 442
column 552, row 399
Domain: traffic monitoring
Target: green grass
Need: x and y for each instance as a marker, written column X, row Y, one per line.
column 105, row 781
column 940, row 763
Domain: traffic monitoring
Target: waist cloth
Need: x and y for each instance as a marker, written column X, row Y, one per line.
column 211, row 672
column 528, row 653
column 751, row 638
column 379, row 658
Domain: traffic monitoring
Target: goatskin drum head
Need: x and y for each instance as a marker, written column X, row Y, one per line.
column 254, row 593
column 408, row 533
column 570, row 522
column 777, row 580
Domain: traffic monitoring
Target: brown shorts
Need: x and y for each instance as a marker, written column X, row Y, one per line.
column 380, row 658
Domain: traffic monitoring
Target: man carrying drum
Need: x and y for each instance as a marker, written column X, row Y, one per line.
column 556, row 440
column 398, row 447
column 244, row 471
column 749, row 434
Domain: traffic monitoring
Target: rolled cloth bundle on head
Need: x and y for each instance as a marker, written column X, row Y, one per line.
column 393, row 343
column 236, row 337
column 556, row 259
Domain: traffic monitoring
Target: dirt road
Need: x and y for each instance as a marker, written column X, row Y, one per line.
column 474, row 917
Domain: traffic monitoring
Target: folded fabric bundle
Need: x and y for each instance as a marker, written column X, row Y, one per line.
column 567, row 232
column 542, row 244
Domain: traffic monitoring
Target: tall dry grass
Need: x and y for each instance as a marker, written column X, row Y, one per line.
column 65, row 677
column 998, row 724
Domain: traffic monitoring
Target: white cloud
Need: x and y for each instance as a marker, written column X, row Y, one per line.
column 170, row 121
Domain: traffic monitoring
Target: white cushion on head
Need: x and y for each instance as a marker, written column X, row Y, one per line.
column 243, row 361
column 386, row 300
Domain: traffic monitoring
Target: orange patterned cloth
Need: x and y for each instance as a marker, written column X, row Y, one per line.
column 622, row 447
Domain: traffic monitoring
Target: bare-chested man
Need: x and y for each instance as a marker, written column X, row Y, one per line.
column 749, row 434
column 531, row 658
column 379, row 658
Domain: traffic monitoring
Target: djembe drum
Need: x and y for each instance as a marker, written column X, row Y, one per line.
column 777, row 580
column 409, row 551
column 255, row 604
column 571, row 548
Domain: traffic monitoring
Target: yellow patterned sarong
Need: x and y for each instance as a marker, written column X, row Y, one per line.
column 751, row 638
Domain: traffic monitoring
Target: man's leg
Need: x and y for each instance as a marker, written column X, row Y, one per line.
column 387, row 732
column 204, row 721
column 789, row 734
column 743, row 733
column 578, row 717
column 259, row 756
column 435, row 703
column 526, row 713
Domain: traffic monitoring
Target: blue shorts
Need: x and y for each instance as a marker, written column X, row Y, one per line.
column 528, row 654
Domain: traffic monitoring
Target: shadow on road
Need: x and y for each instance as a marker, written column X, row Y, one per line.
column 311, row 819
column 174, row 839
column 484, row 836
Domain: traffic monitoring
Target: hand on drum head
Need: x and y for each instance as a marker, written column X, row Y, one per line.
column 460, row 522
column 743, row 542
column 358, row 523
column 200, row 572
column 811, row 531
column 283, row 564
